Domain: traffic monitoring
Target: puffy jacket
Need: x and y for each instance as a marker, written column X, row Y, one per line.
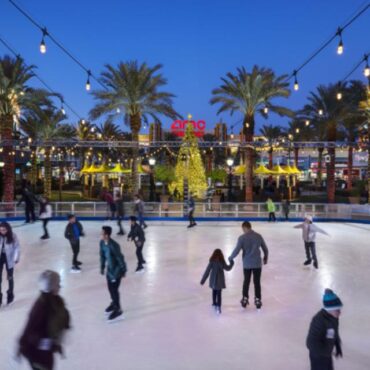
column 46, row 211
column 12, row 250
column 69, row 234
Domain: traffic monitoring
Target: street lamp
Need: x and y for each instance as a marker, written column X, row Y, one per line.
column 152, row 185
column 230, row 162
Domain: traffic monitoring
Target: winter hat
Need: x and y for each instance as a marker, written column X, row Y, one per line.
column 49, row 281
column 331, row 301
column 308, row 217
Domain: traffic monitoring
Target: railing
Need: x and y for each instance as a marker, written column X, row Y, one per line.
column 204, row 210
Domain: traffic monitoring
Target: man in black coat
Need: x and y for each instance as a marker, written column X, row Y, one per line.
column 28, row 198
column 137, row 235
column 323, row 334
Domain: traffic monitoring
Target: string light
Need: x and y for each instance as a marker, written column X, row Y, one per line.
column 321, row 112
column 118, row 110
column 307, row 122
column 296, row 86
column 265, row 110
column 42, row 43
column 340, row 45
column 62, row 108
column 366, row 69
column 88, row 85
column 339, row 95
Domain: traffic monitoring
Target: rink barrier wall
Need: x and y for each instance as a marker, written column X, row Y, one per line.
column 205, row 211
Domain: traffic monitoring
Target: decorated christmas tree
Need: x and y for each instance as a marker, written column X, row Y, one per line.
column 189, row 170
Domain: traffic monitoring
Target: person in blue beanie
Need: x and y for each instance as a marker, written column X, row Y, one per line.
column 323, row 335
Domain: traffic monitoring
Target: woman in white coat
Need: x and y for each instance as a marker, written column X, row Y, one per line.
column 9, row 257
column 45, row 215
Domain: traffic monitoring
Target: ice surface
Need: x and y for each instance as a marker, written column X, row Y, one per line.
column 169, row 323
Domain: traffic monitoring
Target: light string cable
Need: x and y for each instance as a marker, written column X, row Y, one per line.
column 62, row 100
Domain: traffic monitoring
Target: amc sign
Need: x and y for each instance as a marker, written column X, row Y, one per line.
column 178, row 127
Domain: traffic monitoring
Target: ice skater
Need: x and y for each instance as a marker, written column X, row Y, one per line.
column 46, row 324
column 28, row 198
column 271, row 209
column 120, row 213
column 285, row 204
column 323, row 335
column 137, row 235
column 250, row 243
column 191, row 209
column 10, row 254
column 309, row 231
column 139, row 210
column 73, row 232
column 215, row 268
column 45, row 215
column 112, row 257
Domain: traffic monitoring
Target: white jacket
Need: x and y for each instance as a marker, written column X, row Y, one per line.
column 47, row 214
column 12, row 251
column 309, row 231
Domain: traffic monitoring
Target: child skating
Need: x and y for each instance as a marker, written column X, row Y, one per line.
column 73, row 232
column 215, row 270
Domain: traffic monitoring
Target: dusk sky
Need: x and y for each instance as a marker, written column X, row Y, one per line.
column 197, row 41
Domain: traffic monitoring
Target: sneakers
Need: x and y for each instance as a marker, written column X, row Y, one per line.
column 75, row 269
column 115, row 316
column 307, row 262
column 110, row 308
column 258, row 303
column 316, row 265
column 244, row 302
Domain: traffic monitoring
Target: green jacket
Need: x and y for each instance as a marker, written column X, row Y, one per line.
column 110, row 255
column 271, row 206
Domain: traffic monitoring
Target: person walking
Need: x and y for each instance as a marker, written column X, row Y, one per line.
column 285, row 204
column 191, row 208
column 250, row 243
column 215, row 270
column 120, row 208
column 73, row 232
column 271, row 208
column 28, row 199
column 112, row 258
column 46, row 324
column 139, row 210
column 137, row 235
column 45, row 216
column 323, row 335
column 9, row 257
column 309, row 231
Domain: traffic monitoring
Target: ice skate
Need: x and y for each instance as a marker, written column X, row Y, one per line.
column 115, row 316
column 75, row 270
column 244, row 302
column 307, row 262
column 109, row 309
column 139, row 270
column 10, row 299
column 258, row 303
column 218, row 310
column 316, row 265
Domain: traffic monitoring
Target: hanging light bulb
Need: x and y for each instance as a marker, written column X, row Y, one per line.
column 366, row 69
column 265, row 110
column 296, row 86
column 340, row 45
column 118, row 110
column 297, row 130
column 307, row 122
column 88, row 85
column 42, row 43
column 339, row 95
column 62, row 108
column 321, row 112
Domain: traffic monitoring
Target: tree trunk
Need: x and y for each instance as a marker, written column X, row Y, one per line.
column 6, row 131
column 349, row 168
column 319, row 166
column 270, row 158
column 331, row 137
column 296, row 155
column 47, row 174
column 34, row 169
column 248, row 130
column 135, row 124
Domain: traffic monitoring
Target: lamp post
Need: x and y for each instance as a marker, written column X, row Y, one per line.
column 230, row 162
column 152, row 185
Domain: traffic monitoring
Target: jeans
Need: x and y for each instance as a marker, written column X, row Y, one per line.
column 9, row 273
column 321, row 363
column 217, row 297
column 272, row 216
column 44, row 224
column 310, row 248
column 256, row 280
column 139, row 253
column 30, row 212
column 191, row 218
column 75, row 244
column 114, row 292
column 140, row 216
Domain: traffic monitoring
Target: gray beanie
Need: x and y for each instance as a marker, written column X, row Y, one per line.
column 49, row 281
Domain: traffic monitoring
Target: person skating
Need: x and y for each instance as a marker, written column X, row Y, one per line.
column 45, row 216
column 73, row 232
column 46, row 324
column 191, row 208
column 120, row 213
column 139, row 210
column 112, row 258
column 250, row 243
column 9, row 257
column 309, row 231
column 29, row 209
column 323, row 334
column 271, row 209
column 215, row 269
column 111, row 206
column 285, row 204
column 137, row 235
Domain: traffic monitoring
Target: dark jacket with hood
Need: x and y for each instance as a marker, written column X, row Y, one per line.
column 217, row 278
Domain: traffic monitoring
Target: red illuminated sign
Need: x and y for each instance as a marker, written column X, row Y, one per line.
column 178, row 127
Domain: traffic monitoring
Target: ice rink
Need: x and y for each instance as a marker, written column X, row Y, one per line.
column 169, row 323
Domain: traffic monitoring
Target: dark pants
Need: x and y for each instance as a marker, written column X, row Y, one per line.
column 217, row 297
column 44, row 224
column 119, row 220
column 113, row 288
column 112, row 208
column 310, row 248
column 140, row 216
column 139, row 253
column 191, row 218
column 321, row 363
column 9, row 273
column 272, row 216
column 256, row 280
column 286, row 215
column 30, row 212
column 75, row 244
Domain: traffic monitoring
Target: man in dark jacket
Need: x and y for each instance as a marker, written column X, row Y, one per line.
column 137, row 235
column 28, row 198
column 323, row 334
column 250, row 243
column 112, row 257
column 73, row 232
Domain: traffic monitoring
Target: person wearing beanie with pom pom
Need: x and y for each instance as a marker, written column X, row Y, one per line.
column 46, row 324
column 323, row 334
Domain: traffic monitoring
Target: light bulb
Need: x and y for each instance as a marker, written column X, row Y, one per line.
column 88, row 85
column 265, row 110
column 296, row 86
column 321, row 112
column 340, row 47
column 367, row 70
column 297, row 130
column 42, row 46
column 339, row 96
column 63, row 111
column 118, row 110
column 307, row 122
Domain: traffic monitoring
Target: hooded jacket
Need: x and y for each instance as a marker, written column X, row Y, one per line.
column 12, row 250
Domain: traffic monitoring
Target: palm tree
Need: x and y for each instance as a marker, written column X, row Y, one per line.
column 324, row 107
column 319, row 134
column 133, row 93
column 251, row 93
column 271, row 133
column 14, row 96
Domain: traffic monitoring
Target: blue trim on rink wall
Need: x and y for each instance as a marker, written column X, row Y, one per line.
column 201, row 219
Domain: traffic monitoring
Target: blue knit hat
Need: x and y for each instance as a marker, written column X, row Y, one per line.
column 331, row 301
